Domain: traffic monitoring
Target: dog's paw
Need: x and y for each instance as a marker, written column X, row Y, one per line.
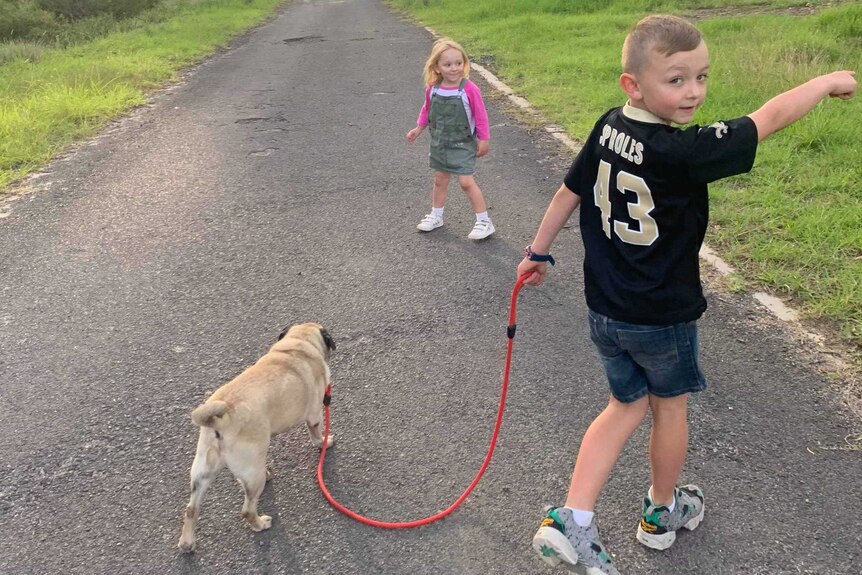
column 264, row 522
column 330, row 439
column 186, row 546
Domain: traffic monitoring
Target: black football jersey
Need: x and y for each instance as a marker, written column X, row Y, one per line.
column 644, row 210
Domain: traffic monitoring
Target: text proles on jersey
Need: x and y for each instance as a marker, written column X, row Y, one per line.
column 622, row 144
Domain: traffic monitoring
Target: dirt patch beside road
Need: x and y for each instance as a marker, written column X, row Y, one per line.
column 730, row 11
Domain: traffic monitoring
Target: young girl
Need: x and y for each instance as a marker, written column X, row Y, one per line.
column 455, row 112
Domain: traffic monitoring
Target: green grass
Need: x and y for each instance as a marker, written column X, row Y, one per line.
column 793, row 226
column 50, row 97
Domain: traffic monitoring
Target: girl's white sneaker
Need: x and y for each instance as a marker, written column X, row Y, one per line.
column 481, row 230
column 429, row 222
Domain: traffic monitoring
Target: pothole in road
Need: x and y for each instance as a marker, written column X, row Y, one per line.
column 265, row 152
column 303, row 39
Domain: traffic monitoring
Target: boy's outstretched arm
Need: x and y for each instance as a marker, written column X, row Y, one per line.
column 787, row 107
column 558, row 213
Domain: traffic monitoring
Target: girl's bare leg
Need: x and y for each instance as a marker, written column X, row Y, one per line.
column 474, row 194
column 441, row 189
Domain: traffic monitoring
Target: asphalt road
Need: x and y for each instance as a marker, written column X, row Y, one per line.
column 274, row 185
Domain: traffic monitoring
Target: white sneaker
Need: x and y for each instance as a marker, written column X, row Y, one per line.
column 481, row 230
column 429, row 222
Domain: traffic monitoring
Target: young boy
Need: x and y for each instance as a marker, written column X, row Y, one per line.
column 643, row 218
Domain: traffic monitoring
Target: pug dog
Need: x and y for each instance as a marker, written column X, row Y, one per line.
column 284, row 388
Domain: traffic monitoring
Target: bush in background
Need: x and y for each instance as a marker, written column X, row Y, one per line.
column 64, row 22
column 25, row 20
column 81, row 9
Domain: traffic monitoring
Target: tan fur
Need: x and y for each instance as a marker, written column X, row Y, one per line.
column 284, row 388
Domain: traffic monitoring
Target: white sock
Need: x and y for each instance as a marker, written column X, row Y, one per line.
column 669, row 507
column 437, row 212
column 482, row 217
column 581, row 517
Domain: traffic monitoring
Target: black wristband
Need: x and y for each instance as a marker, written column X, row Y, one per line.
column 530, row 255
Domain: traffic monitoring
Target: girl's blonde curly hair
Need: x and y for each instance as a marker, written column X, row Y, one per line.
column 432, row 76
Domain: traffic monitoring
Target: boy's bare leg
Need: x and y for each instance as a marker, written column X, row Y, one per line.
column 441, row 189
column 602, row 444
column 668, row 444
column 474, row 194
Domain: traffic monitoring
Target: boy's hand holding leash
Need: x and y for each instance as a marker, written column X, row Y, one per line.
column 537, row 271
column 536, row 265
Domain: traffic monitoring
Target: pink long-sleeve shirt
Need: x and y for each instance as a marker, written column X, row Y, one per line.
column 474, row 105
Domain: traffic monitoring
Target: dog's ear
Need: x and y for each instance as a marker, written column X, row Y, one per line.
column 283, row 333
column 327, row 339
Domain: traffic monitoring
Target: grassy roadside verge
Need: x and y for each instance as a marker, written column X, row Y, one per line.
column 791, row 227
column 64, row 94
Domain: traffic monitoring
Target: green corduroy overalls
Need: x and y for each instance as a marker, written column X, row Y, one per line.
column 453, row 146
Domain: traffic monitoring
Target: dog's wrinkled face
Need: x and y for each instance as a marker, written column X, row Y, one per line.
column 304, row 328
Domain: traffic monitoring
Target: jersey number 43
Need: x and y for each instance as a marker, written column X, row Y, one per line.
column 646, row 231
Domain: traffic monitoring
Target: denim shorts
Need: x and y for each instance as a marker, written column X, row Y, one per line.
column 642, row 359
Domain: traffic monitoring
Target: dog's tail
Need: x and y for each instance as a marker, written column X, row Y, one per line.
column 211, row 414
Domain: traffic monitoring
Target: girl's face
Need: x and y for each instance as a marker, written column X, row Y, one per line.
column 450, row 65
column 674, row 87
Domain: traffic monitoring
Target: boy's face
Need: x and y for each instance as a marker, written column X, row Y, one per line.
column 450, row 65
column 671, row 87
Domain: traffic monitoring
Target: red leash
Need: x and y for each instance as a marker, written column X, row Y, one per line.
column 510, row 333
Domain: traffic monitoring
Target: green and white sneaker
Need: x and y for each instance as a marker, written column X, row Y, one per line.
column 658, row 526
column 561, row 540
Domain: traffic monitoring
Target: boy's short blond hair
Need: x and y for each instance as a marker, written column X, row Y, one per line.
column 663, row 33
column 432, row 76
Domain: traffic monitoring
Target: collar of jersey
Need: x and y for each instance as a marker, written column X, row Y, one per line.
column 639, row 115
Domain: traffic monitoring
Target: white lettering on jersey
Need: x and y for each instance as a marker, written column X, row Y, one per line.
column 622, row 144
